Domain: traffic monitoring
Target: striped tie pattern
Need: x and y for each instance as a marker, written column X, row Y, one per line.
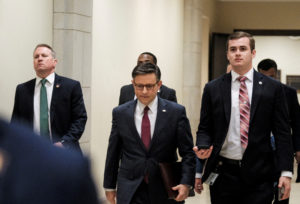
column 244, row 111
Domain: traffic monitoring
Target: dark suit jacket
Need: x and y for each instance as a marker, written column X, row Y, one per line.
column 268, row 113
column 127, row 93
column 67, row 111
column 172, row 132
column 37, row 172
column 199, row 165
column 294, row 115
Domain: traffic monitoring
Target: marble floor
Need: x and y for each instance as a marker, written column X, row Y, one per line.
column 203, row 198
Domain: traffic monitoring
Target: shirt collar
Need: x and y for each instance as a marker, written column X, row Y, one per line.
column 152, row 106
column 249, row 75
column 50, row 79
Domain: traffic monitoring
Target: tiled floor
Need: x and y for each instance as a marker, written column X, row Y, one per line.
column 203, row 198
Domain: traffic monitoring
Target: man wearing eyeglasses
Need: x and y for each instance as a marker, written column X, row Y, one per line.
column 127, row 91
column 145, row 132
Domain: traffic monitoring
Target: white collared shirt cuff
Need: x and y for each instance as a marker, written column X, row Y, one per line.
column 198, row 175
column 109, row 189
column 287, row 174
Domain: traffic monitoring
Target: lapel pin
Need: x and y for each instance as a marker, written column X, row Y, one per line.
column 260, row 82
column 57, row 85
column 164, row 110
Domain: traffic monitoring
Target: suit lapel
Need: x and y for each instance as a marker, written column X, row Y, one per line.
column 161, row 119
column 256, row 93
column 31, row 87
column 131, row 123
column 226, row 93
column 55, row 95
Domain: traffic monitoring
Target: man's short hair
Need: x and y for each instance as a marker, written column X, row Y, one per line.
column 267, row 64
column 152, row 55
column 241, row 34
column 147, row 68
column 47, row 46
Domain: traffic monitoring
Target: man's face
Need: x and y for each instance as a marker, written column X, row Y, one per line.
column 144, row 58
column 146, row 87
column 239, row 54
column 44, row 63
column 270, row 72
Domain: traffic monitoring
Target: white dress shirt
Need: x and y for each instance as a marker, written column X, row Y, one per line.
column 36, row 101
column 232, row 148
column 138, row 117
column 139, row 113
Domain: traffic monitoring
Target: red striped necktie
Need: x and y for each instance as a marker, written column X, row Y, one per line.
column 244, row 111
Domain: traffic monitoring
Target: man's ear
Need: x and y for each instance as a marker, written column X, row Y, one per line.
column 55, row 61
column 159, row 83
column 253, row 53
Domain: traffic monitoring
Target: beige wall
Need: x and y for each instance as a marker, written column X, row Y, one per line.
column 282, row 49
column 209, row 11
column 122, row 30
column 276, row 15
column 23, row 24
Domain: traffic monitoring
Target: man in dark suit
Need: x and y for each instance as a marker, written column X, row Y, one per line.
column 198, row 187
column 127, row 91
column 33, row 172
column 145, row 132
column 239, row 111
column 62, row 118
column 268, row 67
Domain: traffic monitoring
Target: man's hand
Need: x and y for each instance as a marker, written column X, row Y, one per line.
column 297, row 157
column 203, row 153
column 198, row 185
column 58, row 144
column 111, row 196
column 183, row 192
column 286, row 183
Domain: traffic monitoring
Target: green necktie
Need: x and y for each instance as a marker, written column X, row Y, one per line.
column 44, row 125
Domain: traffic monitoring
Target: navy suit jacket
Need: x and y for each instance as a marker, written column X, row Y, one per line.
column 294, row 115
column 36, row 172
column 268, row 113
column 172, row 132
column 127, row 93
column 67, row 110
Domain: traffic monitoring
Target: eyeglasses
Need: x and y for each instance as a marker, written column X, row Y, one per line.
column 141, row 87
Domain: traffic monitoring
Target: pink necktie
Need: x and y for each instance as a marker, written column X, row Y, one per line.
column 244, row 112
column 146, row 132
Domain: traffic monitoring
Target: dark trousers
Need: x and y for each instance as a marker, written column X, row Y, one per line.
column 229, row 188
column 141, row 195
